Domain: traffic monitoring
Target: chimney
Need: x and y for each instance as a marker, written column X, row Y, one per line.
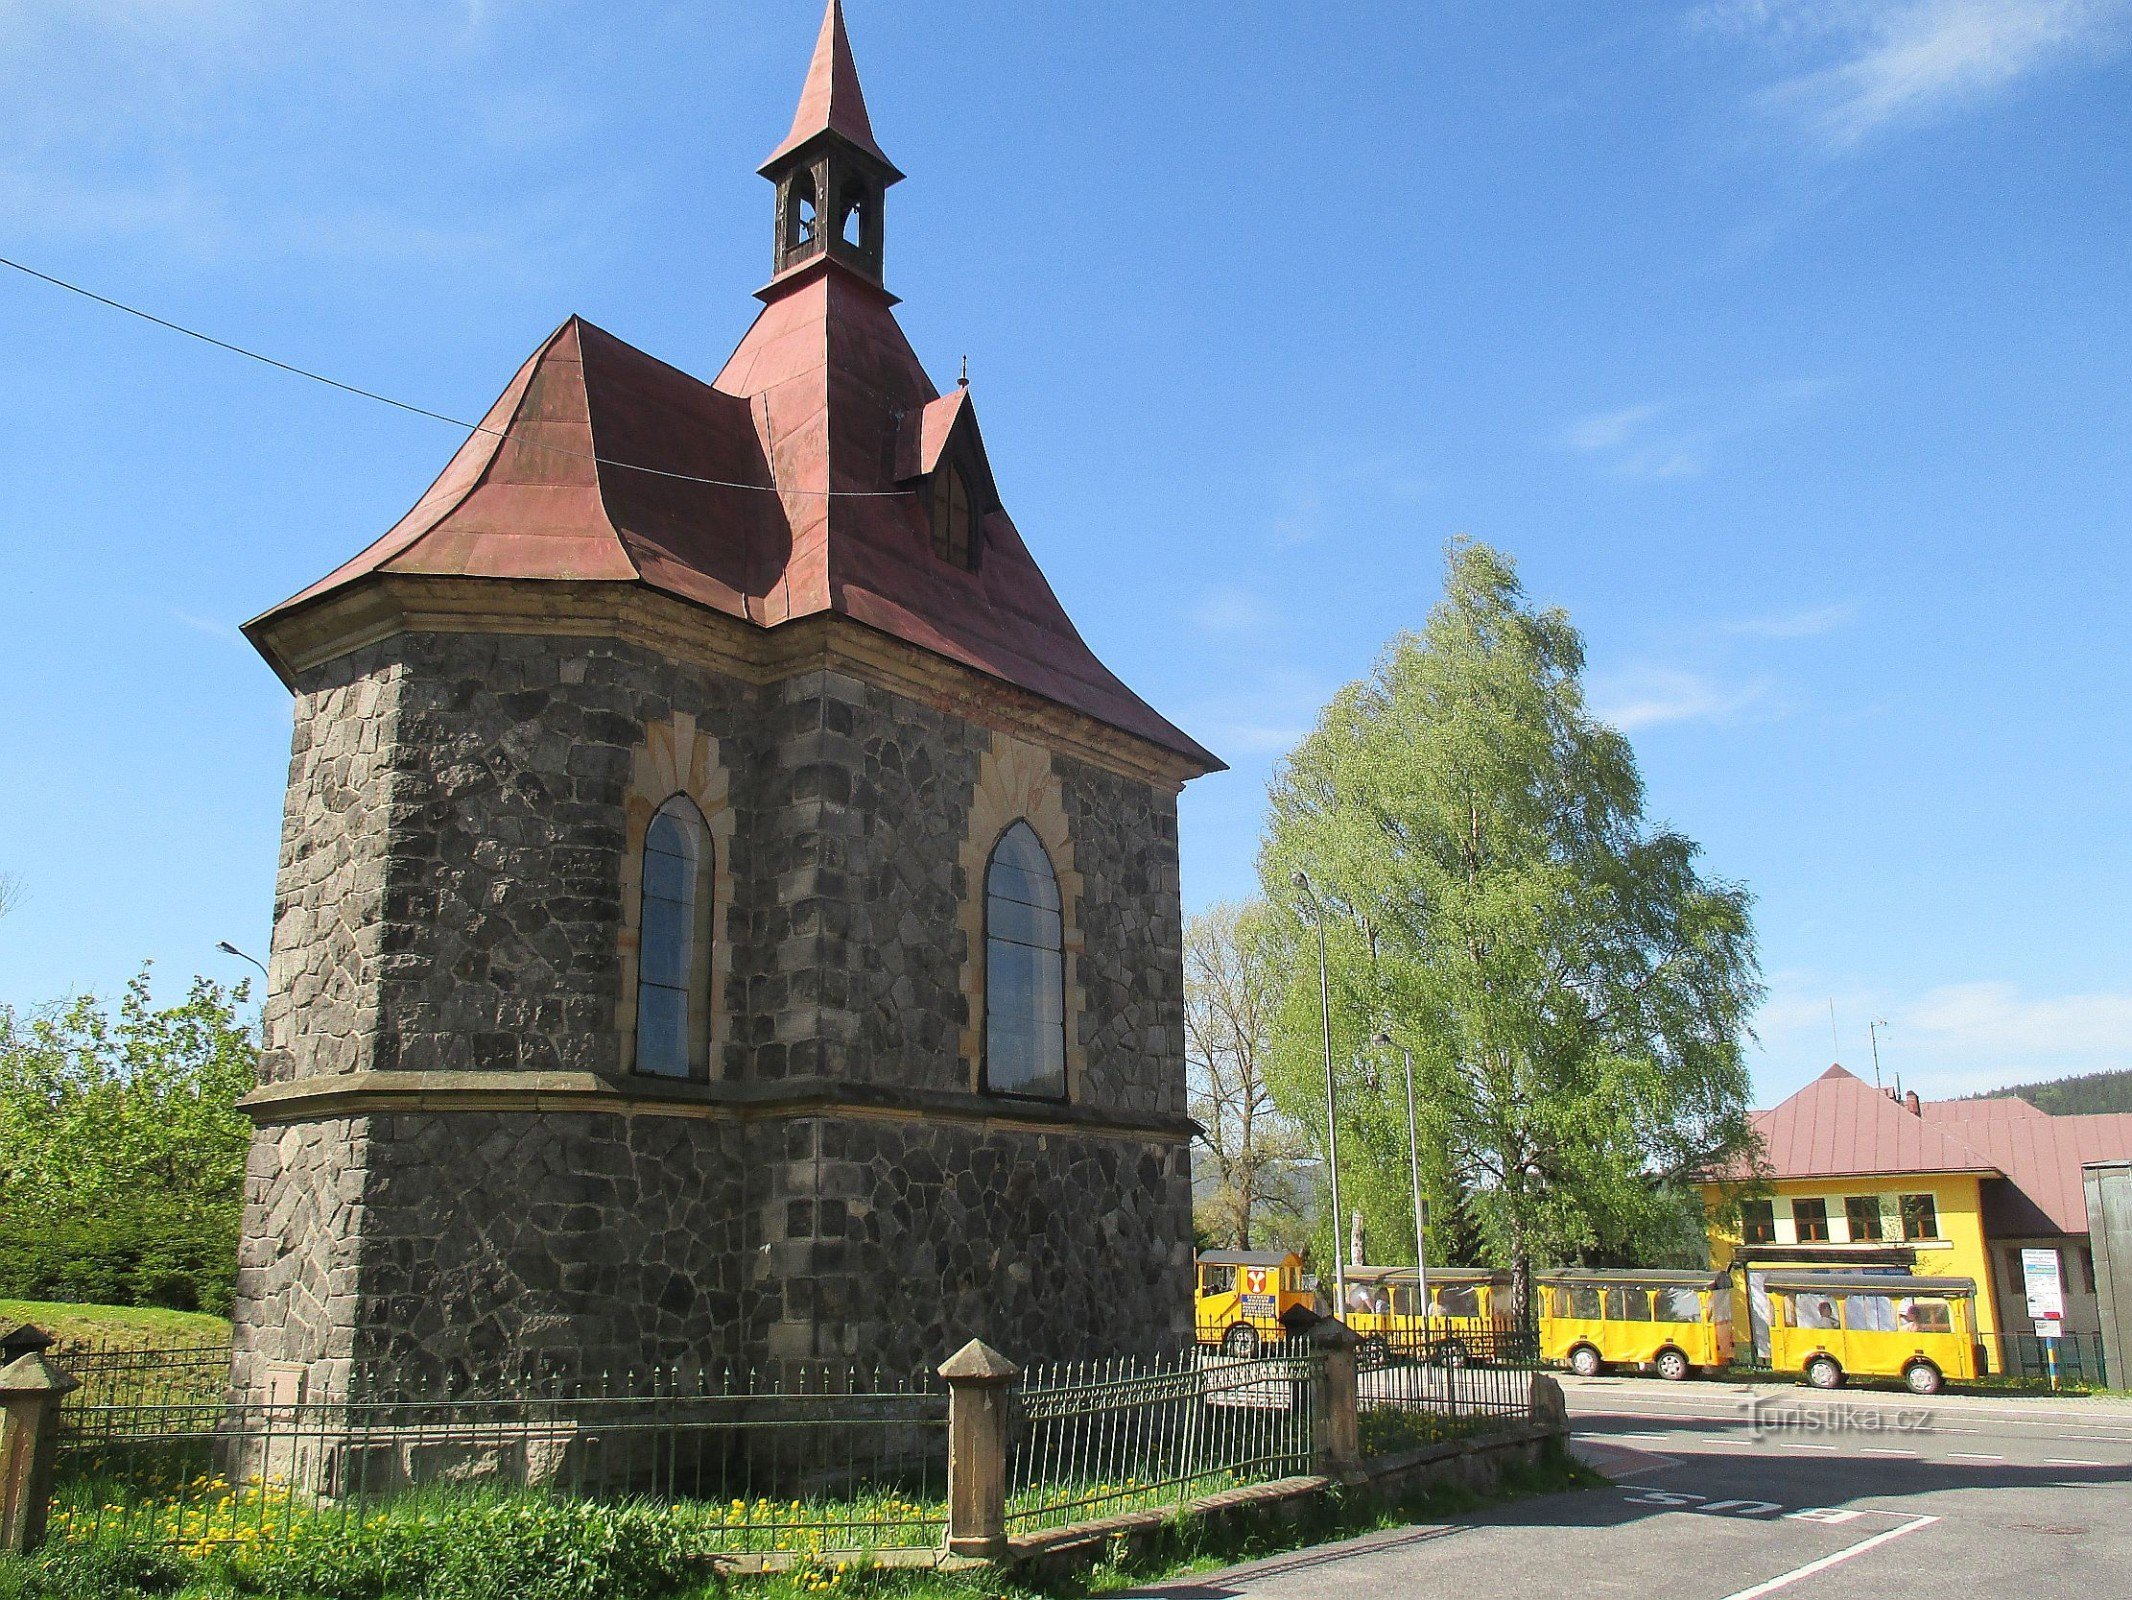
column 1911, row 1103
column 1892, row 1095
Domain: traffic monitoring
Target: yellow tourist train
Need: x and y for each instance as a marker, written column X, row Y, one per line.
column 1829, row 1326
column 1675, row 1322
column 1462, row 1320
column 1242, row 1295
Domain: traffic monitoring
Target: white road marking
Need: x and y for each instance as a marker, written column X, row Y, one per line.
column 1869, row 1450
column 1784, row 1580
column 1786, row 1444
column 2069, row 1461
column 1971, row 1455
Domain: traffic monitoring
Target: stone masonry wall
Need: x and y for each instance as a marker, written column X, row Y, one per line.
column 297, row 1260
column 450, row 900
column 321, row 1007
column 899, row 1242
column 503, row 888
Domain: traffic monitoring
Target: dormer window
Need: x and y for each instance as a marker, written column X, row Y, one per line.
column 954, row 523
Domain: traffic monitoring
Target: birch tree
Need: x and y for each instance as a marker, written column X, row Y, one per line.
column 1575, row 992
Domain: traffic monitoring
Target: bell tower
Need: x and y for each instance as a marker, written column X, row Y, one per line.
column 830, row 175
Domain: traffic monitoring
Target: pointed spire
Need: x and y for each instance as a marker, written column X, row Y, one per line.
column 831, row 101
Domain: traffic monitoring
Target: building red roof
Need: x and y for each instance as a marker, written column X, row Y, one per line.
column 2040, row 1154
column 1840, row 1127
column 586, row 469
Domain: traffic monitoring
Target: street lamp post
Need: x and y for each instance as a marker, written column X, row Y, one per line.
column 1332, row 1121
column 1421, row 1216
column 229, row 949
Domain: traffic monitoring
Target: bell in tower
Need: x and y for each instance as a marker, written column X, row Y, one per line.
column 830, row 175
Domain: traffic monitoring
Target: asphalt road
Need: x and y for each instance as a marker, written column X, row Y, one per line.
column 1727, row 1493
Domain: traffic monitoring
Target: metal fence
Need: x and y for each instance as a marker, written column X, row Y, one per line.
column 2074, row 1358
column 802, row 1458
column 1452, row 1342
column 1096, row 1439
column 164, row 1373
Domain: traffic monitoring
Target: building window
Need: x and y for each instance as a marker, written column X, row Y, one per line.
column 954, row 523
column 1025, row 970
column 1921, row 1218
column 1758, row 1222
column 672, row 930
column 1809, row 1220
column 1862, row 1213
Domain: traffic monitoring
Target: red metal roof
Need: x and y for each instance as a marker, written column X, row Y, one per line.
column 2040, row 1154
column 1840, row 1127
column 823, row 401
column 831, row 101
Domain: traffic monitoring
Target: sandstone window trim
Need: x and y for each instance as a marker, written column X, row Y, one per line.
column 1017, row 782
column 676, row 762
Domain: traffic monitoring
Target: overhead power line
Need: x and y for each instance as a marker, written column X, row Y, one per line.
column 424, row 411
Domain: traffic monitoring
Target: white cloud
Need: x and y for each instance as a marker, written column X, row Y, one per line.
column 1606, row 430
column 1802, row 624
column 1232, row 610
column 1857, row 66
column 1647, row 697
column 1953, row 1039
column 1658, row 440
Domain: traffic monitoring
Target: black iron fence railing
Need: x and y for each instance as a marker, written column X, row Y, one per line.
column 1095, row 1439
column 799, row 1460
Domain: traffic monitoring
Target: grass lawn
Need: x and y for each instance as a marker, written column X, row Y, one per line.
column 489, row 1546
column 115, row 1325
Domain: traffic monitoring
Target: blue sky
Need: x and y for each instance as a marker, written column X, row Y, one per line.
column 1785, row 344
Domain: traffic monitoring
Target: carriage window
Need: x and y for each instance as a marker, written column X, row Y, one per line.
column 1924, row 1316
column 1721, row 1305
column 671, row 921
column 1678, row 1305
column 1628, row 1305
column 1217, row 1280
column 1812, row 1311
column 1862, row 1212
column 1025, row 989
column 1402, row 1300
column 1921, row 1218
column 1583, row 1302
column 1758, row 1222
column 1810, row 1220
column 1455, row 1300
column 1869, row 1313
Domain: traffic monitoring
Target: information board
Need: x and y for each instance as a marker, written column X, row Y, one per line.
column 2046, row 1299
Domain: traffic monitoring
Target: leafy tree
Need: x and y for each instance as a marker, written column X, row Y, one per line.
column 1574, row 992
column 121, row 1148
column 1230, row 991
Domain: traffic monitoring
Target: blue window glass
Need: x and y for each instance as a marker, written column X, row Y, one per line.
column 666, row 939
column 1025, row 970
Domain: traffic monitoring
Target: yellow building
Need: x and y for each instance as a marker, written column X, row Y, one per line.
column 1861, row 1180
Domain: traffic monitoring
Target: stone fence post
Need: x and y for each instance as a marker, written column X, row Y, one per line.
column 1548, row 1408
column 1336, row 1431
column 980, row 1382
column 30, row 1391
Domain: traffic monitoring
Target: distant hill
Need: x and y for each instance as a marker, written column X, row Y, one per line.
column 2065, row 1097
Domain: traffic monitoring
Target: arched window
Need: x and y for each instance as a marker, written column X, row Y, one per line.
column 673, row 933
column 1025, row 970
column 954, row 527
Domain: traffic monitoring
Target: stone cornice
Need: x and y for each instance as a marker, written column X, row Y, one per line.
column 384, row 605
column 359, row 1094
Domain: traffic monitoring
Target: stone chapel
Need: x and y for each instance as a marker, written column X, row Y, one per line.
column 725, row 911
